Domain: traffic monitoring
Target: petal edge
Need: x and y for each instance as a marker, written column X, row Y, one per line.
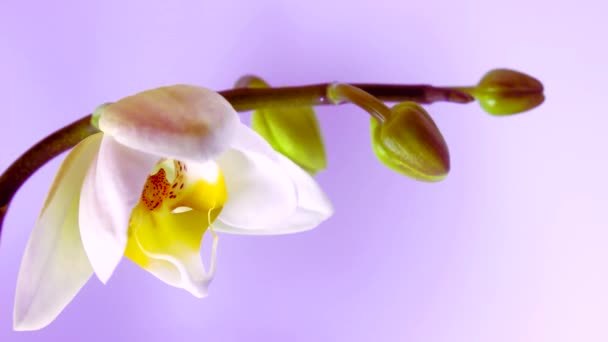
column 44, row 287
column 111, row 189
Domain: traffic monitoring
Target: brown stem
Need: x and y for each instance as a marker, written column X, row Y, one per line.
column 244, row 99
column 38, row 155
column 341, row 93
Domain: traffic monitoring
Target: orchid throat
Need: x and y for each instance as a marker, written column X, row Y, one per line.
column 174, row 212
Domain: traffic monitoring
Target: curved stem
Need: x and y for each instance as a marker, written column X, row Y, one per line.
column 340, row 93
column 242, row 99
column 38, row 155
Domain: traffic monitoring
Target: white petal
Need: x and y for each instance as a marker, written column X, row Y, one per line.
column 310, row 195
column 111, row 189
column 260, row 191
column 182, row 122
column 313, row 205
column 55, row 266
column 247, row 140
column 312, row 209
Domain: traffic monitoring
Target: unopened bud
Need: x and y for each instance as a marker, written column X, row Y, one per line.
column 292, row 131
column 504, row 92
column 410, row 143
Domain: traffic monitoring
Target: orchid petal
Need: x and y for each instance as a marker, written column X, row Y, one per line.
column 248, row 141
column 111, row 189
column 55, row 265
column 260, row 191
column 182, row 122
column 313, row 207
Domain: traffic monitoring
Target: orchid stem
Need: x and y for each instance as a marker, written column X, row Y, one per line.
column 242, row 99
column 341, row 93
column 38, row 155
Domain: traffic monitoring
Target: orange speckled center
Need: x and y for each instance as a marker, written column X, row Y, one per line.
column 158, row 189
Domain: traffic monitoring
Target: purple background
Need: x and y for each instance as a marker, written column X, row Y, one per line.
column 510, row 247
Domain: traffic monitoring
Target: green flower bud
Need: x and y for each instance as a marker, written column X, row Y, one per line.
column 504, row 92
column 293, row 131
column 410, row 143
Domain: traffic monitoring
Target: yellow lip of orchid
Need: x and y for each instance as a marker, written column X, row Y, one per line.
column 167, row 226
column 170, row 164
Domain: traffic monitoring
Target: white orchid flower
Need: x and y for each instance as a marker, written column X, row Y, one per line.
column 171, row 162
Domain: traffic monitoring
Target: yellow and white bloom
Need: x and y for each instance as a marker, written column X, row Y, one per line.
column 171, row 162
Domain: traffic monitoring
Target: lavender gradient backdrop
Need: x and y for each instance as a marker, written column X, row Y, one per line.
column 511, row 247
